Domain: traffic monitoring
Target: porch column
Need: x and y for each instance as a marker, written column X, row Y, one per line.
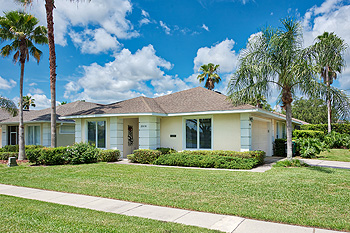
column 149, row 135
column 116, row 134
column 46, row 135
column 246, row 132
column 4, row 135
column 78, row 130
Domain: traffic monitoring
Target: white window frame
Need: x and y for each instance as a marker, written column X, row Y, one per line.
column 26, row 133
column 198, row 134
column 73, row 125
column 87, row 131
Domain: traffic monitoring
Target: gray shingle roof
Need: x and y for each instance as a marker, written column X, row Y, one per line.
column 4, row 114
column 45, row 114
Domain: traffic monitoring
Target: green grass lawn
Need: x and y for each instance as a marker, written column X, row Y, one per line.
column 311, row 196
column 335, row 155
column 23, row 215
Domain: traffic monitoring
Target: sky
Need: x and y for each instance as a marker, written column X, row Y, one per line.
column 112, row 50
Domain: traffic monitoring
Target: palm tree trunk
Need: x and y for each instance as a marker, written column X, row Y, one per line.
column 21, row 154
column 288, row 107
column 49, row 5
column 329, row 107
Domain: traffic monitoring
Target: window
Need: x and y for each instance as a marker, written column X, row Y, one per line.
column 33, row 135
column 67, row 129
column 97, row 133
column 12, row 135
column 277, row 130
column 198, row 133
column 284, row 130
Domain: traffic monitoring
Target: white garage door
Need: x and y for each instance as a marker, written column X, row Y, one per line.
column 260, row 136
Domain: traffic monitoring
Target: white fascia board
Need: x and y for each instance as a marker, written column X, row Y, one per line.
column 33, row 122
column 212, row 112
column 112, row 115
column 276, row 116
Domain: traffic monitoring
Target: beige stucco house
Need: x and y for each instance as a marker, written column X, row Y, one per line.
column 194, row 119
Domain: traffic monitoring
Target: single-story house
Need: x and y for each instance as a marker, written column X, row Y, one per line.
column 194, row 119
column 37, row 126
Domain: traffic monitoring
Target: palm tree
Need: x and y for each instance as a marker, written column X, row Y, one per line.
column 209, row 72
column 27, row 102
column 8, row 105
column 275, row 60
column 328, row 52
column 20, row 29
column 50, row 6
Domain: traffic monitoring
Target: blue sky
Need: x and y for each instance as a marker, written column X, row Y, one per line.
column 111, row 50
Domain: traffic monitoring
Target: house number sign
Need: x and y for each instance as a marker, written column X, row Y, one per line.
column 143, row 126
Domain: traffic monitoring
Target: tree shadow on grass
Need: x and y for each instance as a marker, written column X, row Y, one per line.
column 321, row 169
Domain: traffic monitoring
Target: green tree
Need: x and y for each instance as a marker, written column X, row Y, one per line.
column 8, row 105
column 64, row 102
column 209, row 73
column 27, row 102
column 260, row 102
column 329, row 52
column 20, row 30
column 275, row 60
column 312, row 110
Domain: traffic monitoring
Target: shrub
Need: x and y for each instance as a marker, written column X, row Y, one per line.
column 279, row 147
column 108, row 155
column 81, row 153
column 209, row 160
column 131, row 157
column 145, row 156
column 33, row 147
column 310, row 147
column 337, row 140
column 308, row 134
column 7, row 155
column 33, row 155
column 339, row 128
column 291, row 163
column 166, row 150
column 10, row 148
column 50, row 156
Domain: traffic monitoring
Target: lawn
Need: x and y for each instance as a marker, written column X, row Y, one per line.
column 23, row 215
column 311, row 196
column 335, row 155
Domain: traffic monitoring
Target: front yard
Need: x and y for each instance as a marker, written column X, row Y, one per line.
column 312, row 196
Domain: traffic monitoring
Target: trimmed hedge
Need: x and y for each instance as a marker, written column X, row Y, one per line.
column 279, row 147
column 15, row 148
column 81, row 153
column 308, row 134
column 339, row 128
column 144, row 156
column 108, row 155
column 166, row 150
column 7, row 155
column 210, row 159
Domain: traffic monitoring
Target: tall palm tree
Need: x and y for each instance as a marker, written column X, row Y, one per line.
column 328, row 52
column 209, row 72
column 49, row 7
column 275, row 59
column 28, row 101
column 21, row 31
column 8, row 105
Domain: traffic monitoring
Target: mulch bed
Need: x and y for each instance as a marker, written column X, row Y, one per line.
column 18, row 161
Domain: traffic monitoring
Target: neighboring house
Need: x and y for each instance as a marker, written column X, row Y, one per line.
column 37, row 126
column 194, row 119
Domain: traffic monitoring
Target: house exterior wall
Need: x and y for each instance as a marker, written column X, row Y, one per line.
column 64, row 139
column 171, row 126
column 226, row 132
column 0, row 137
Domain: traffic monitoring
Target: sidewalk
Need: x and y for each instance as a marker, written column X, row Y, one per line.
column 326, row 163
column 225, row 223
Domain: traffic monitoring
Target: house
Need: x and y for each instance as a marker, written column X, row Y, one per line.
column 194, row 119
column 37, row 126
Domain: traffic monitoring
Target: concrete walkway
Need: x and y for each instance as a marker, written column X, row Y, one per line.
column 225, row 223
column 326, row 163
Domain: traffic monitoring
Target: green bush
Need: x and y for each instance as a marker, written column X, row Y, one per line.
column 10, row 148
column 33, row 155
column 308, row 134
column 166, row 150
column 310, row 147
column 81, row 153
column 108, row 155
column 337, row 140
column 51, row 156
column 291, row 163
column 279, row 147
column 33, row 147
column 131, row 157
column 7, row 155
column 145, row 156
column 339, row 128
column 209, row 160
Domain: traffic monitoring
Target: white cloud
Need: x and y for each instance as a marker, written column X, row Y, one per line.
column 165, row 27
column 144, row 13
column 107, row 17
column 41, row 101
column 168, row 83
column 125, row 77
column 222, row 54
column 32, row 84
column 205, row 27
column 7, row 84
column 144, row 21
